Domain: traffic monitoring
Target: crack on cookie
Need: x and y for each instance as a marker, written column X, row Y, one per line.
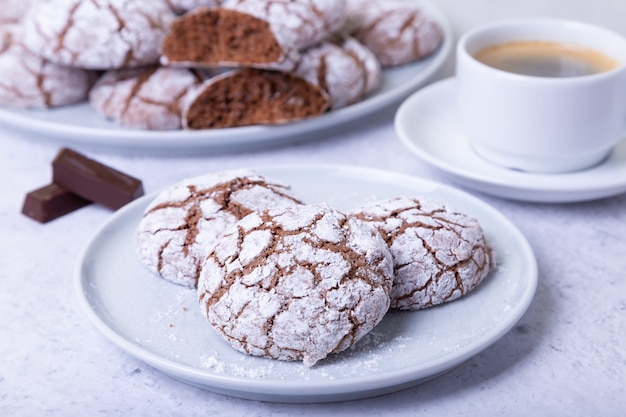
column 160, row 257
column 139, row 82
column 60, row 44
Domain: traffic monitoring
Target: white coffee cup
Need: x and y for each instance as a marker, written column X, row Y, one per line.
column 545, row 124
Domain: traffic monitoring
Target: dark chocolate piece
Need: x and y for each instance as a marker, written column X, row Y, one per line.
column 94, row 181
column 51, row 202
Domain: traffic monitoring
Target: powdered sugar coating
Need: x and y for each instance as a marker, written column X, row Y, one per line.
column 184, row 221
column 439, row 254
column 371, row 64
column 396, row 32
column 101, row 35
column 12, row 11
column 146, row 98
column 182, row 6
column 342, row 67
column 28, row 81
column 296, row 283
column 297, row 24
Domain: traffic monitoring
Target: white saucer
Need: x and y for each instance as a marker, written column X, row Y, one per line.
column 426, row 123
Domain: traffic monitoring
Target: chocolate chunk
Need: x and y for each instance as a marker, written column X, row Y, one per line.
column 51, row 202
column 94, row 181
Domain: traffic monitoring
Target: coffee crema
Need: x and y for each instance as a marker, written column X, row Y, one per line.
column 545, row 59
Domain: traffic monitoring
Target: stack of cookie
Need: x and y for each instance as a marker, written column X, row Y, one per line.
column 282, row 279
column 198, row 64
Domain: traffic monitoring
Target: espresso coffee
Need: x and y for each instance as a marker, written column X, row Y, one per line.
column 545, row 59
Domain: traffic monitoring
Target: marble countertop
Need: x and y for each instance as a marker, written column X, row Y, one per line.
column 566, row 356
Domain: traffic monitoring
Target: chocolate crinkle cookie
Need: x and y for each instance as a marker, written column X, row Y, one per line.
column 267, row 34
column 343, row 67
column 439, row 254
column 298, row 24
column 296, row 283
column 180, row 226
column 397, row 32
column 147, row 97
column 250, row 97
column 31, row 82
column 99, row 35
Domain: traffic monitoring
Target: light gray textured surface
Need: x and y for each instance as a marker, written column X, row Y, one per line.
column 567, row 355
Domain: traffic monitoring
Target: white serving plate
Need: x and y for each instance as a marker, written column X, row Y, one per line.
column 79, row 125
column 160, row 323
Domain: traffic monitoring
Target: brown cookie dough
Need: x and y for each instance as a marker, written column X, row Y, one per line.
column 264, row 34
column 98, row 35
column 184, row 221
column 250, row 97
column 439, row 254
column 145, row 98
column 296, row 283
column 397, row 32
column 28, row 81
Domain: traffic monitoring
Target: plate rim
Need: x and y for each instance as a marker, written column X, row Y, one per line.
column 543, row 184
column 314, row 391
column 249, row 137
